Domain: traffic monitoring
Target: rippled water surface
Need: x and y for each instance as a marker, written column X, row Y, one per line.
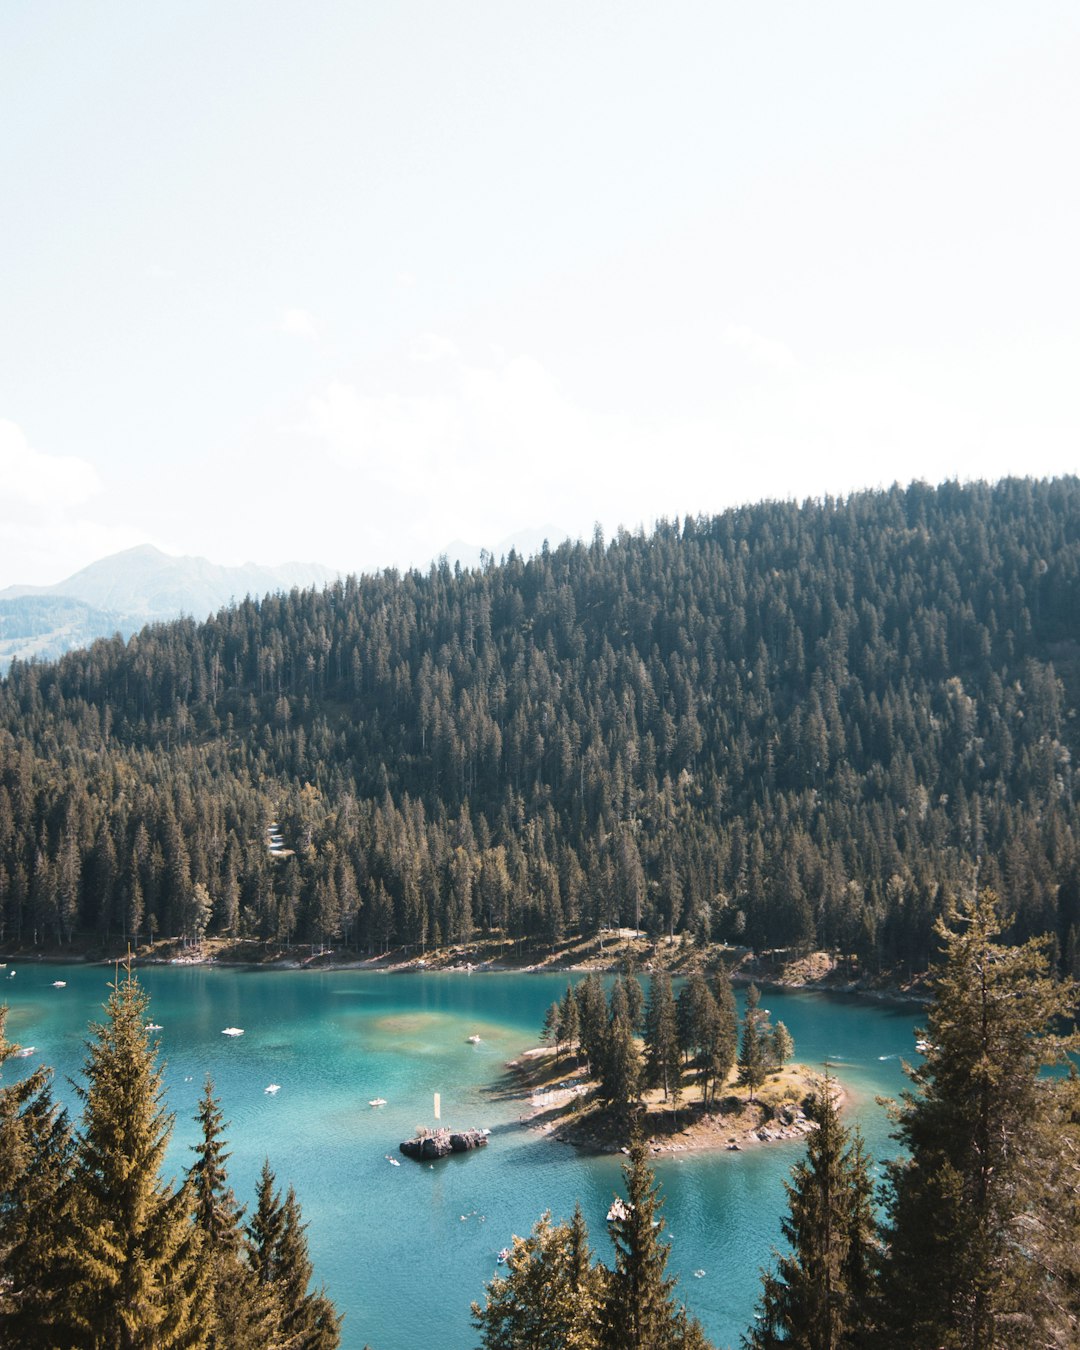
column 403, row 1250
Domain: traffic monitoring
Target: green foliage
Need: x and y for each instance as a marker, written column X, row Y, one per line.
column 818, row 1295
column 301, row 1319
column 754, row 1048
column 781, row 1046
column 549, row 1298
column 130, row 1251
column 661, row 1037
column 98, row 1251
column 239, row 1312
column 639, row 1309
column 35, row 1167
column 783, row 725
column 569, row 1021
column 969, row 1193
column 621, row 1067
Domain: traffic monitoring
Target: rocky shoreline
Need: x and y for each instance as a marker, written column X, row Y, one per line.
column 563, row 1112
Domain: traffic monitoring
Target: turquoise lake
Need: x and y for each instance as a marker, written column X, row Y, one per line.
column 403, row 1250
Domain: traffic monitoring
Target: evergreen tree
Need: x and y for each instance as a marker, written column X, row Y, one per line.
column 960, row 1268
column 661, row 1037
column 635, row 996
column 781, row 1046
column 549, row 1298
column 639, row 1310
column 568, row 1019
column 240, row 1309
column 301, row 1319
column 592, row 1020
column 753, row 1046
column 550, row 1032
column 131, row 1252
column 817, row 1297
column 35, row 1163
column 620, row 1080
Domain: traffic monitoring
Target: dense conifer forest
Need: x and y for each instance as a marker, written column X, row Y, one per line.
column 786, row 726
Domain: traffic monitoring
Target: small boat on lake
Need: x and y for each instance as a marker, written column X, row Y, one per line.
column 379, row 1101
column 474, row 1040
column 25, row 1052
column 503, row 1256
column 233, row 1031
column 273, row 1089
column 59, row 984
column 392, row 1161
column 153, row 1026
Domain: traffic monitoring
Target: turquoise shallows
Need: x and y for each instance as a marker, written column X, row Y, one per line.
column 403, row 1250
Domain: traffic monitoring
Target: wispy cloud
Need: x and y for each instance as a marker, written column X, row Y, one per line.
column 764, row 351
column 32, row 478
column 299, row 323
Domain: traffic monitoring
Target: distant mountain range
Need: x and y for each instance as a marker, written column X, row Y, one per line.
column 122, row 593
column 126, row 591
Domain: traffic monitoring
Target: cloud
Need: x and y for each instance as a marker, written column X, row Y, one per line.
column 299, row 323
column 47, row 530
column 432, row 347
column 36, row 480
column 761, row 350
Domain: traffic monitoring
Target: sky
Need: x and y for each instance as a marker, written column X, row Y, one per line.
column 347, row 281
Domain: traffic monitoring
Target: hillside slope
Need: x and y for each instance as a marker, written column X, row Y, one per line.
column 786, row 725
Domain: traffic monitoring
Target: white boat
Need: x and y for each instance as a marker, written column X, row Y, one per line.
column 59, row 984
column 474, row 1040
column 392, row 1161
column 272, row 1089
column 25, row 1052
column 503, row 1256
column 233, row 1031
column 379, row 1101
column 153, row 1026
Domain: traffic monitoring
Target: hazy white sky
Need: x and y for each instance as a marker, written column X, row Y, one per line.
column 347, row 280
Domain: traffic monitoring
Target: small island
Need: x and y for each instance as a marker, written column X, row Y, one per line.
column 695, row 1078
column 428, row 1145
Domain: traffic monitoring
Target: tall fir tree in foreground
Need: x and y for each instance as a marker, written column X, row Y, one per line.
column 35, row 1164
column 240, row 1317
column 818, row 1295
column 967, row 1203
column 134, row 1274
column 640, row 1311
column 300, row 1318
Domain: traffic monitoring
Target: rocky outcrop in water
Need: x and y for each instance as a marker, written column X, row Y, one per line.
column 438, row 1143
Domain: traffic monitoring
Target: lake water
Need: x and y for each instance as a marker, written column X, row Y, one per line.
column 403, row 1250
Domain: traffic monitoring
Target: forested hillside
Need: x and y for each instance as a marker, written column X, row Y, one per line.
column 786, row 725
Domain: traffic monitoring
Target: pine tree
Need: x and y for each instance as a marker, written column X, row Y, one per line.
column 661, row 1037
column 817, row 1297
column 131, row 1252
column 620, row 1070
column 301, row 1319
column 35, row 1164
column 239, row 1309
column 640, row 1311
column 549, row 1299
column 568, row 1019
column 781, row 1046
column 960, row 1268
column 753, row 1047
column 592, row 1020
